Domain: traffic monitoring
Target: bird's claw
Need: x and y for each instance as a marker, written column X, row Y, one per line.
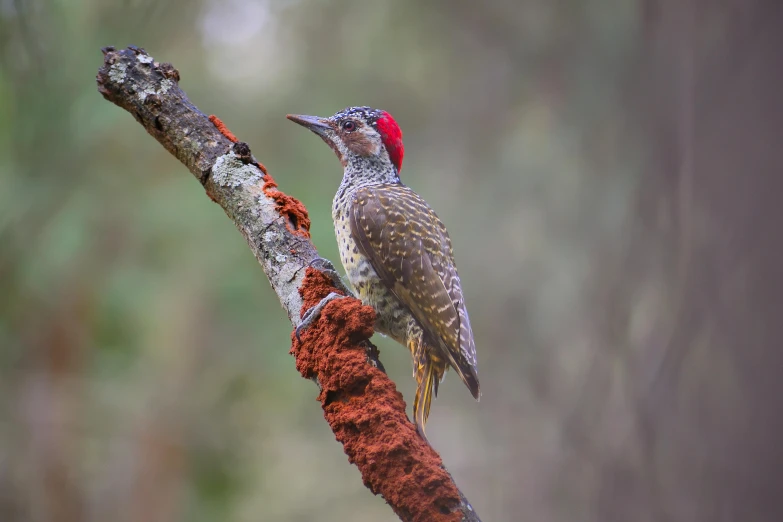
column 327, row 268
column 322, row 264
column 314, row 313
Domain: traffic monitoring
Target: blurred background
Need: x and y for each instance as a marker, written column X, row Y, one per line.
column 609, row 172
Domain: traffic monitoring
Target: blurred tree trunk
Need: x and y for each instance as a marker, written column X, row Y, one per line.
column 707, row 386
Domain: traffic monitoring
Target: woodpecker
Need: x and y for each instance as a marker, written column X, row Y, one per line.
column 396, row 252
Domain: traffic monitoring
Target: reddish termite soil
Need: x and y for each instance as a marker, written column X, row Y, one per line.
column 288, row 206
column 217, row 122
column 367, row 413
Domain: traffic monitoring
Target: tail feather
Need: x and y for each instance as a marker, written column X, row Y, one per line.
column 429, row 373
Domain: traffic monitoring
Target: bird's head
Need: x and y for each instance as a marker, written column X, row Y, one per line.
column 365, row 140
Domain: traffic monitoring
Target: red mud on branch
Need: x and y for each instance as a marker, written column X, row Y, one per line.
column 367, row 413
column 288, row 206
column 217, row 122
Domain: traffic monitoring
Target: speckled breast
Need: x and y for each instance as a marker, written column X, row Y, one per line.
column 392, row 317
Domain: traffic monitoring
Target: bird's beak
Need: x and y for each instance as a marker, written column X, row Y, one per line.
column 314, row 123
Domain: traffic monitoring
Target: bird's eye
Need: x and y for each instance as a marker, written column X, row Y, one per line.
column 349, row 125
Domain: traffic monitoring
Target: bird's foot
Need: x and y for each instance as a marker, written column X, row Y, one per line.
column 314, row 313
column 327, row 268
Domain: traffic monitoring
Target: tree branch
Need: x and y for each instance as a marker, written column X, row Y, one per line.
column 360, row 403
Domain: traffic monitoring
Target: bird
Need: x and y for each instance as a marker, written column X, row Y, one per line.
column 396, row 253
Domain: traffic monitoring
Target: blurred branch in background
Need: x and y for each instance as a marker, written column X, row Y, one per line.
column 360, row 403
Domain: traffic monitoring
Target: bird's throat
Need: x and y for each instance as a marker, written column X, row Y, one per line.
column 361, row 172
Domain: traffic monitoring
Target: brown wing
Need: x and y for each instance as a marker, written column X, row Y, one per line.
column 410, row 250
